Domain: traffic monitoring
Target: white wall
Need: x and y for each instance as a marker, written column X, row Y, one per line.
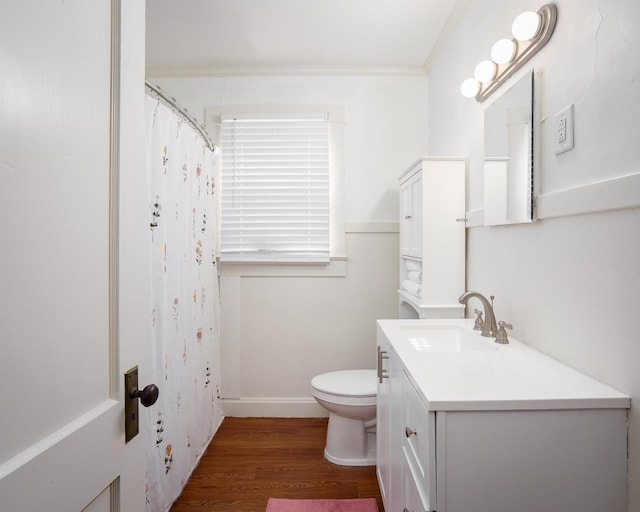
column 386, row 123
column 288, row 329
column 568, row 283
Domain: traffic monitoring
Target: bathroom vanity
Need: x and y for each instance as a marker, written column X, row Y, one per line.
column 467, row 425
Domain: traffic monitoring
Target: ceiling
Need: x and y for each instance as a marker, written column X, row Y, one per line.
column 208, row 36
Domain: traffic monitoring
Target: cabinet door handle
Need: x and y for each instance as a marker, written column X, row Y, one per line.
column 408, row 431
column 382, row 373
column 407, row 217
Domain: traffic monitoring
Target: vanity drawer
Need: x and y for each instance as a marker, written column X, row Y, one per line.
column 413, row 499
column 418, row 440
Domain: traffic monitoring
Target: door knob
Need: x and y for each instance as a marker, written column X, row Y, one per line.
column 147, row 396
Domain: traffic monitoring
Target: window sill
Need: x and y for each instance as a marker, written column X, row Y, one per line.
column 337, row 267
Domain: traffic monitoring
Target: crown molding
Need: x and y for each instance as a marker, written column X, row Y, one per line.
column 219, row 71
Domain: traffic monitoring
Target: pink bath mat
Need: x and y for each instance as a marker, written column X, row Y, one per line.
column 353, row 505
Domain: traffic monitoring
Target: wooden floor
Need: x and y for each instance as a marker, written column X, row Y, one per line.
column 253, row 459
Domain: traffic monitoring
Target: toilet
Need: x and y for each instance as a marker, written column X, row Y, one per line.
column 350, row 398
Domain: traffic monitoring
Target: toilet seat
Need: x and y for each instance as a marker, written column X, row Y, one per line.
column 346, row 387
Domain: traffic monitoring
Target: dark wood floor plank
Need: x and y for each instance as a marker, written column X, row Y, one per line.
column 253, row 459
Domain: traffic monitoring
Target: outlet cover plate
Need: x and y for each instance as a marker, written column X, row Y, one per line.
column 563, row 134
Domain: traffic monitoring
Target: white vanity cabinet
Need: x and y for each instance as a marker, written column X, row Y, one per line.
column 432, row 238
column 405, row 435
column 389, row 418
column 505, row 429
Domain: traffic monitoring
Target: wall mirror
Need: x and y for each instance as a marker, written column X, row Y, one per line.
column 509, row 155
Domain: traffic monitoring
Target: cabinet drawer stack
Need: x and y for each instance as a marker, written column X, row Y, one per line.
column 418, row 446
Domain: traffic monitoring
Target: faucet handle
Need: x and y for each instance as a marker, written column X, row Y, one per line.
column 479, row 323
column 501, row 335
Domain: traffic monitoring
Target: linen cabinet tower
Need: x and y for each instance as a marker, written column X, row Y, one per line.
column 432, row 238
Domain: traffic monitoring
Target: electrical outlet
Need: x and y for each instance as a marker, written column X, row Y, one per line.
column 564, row 130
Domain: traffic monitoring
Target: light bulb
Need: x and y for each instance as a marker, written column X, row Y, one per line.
column 470, row 87
column 526, row 26
column 503, row 51
column 485, row 71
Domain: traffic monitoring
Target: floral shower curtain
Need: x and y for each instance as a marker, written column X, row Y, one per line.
column 183, row 354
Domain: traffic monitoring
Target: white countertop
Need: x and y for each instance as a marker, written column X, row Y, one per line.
column 491, row 376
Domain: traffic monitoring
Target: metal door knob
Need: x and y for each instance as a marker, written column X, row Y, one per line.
column 147, row 396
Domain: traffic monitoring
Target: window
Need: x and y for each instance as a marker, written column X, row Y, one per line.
column 275, row 188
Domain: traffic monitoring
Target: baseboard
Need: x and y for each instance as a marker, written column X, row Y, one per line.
column 272, row 408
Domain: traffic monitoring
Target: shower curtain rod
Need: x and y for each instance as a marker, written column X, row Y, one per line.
column 183, row 112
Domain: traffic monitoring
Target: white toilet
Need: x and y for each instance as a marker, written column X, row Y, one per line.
column 350, row 398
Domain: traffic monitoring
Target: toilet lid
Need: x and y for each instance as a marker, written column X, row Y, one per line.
column 347, row 383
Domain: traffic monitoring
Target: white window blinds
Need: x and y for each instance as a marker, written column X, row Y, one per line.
column 275, row 188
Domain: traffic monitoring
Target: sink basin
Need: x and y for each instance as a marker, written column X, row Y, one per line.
column 443, row 338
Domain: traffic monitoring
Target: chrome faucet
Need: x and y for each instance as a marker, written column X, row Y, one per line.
column 489, row 327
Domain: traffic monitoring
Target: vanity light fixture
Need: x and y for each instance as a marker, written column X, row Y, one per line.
column 485, row 71
column 503, row 51
column 526, row 26
column 531, row 31
column 470, row 88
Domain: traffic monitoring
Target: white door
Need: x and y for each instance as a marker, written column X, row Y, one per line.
column 65, row 333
